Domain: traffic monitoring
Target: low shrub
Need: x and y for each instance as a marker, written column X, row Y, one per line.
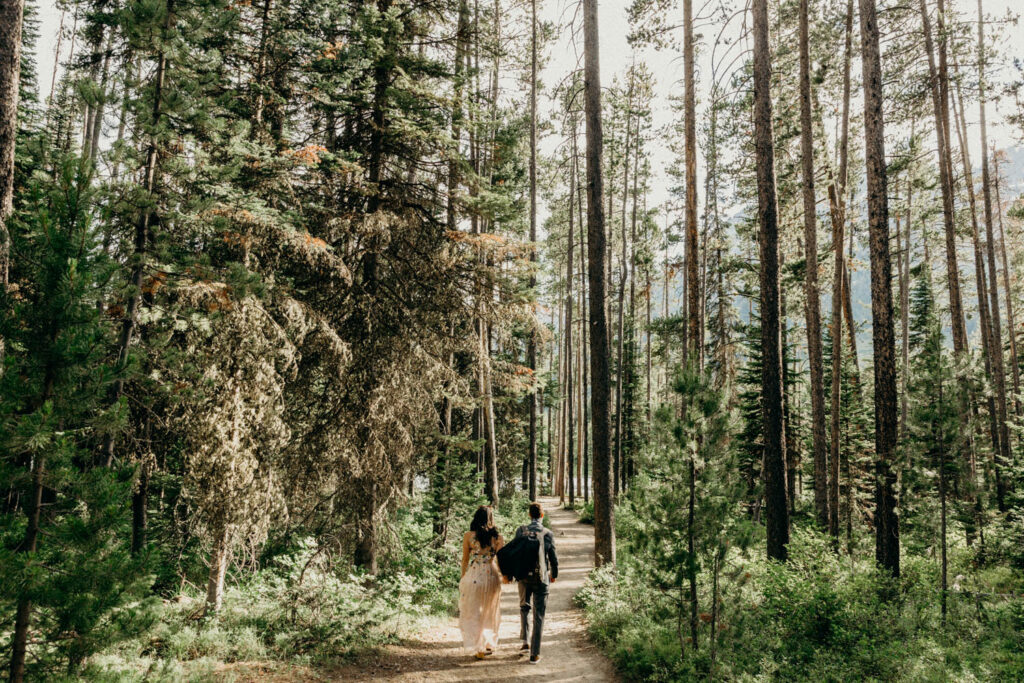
column 820, row 616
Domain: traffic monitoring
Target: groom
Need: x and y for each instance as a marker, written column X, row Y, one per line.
column 535, row 589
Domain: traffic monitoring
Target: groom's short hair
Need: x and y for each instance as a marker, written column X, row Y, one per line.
column 536, row 511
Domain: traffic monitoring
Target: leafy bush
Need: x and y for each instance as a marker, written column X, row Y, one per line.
column 587, row 512
column 820, row 616
column 298, row 610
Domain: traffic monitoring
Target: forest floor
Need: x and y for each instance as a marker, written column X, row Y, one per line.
column 436, row 654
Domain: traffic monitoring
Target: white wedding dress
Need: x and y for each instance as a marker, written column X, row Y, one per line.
column 480, row 599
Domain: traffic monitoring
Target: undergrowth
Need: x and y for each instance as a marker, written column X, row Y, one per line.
column 820, row 617
column 302, row 609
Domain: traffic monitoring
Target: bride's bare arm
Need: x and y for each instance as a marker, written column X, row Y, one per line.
column 465, row 554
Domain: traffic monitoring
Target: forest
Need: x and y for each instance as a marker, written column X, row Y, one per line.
column 288, row 288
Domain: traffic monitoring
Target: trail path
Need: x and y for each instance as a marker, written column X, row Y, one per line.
column 566, row 655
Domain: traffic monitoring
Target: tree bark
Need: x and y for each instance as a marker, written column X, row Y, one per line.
column 140, row 516
column 218, row 569
column 619, row 358
column 11, row 12
column 532, row 350
column 776, row 508
column 96, row 124
column 604, row 513
column 1010, row 321
column 690, row 151
column 985, row 321
column 491, row 444
column 627, row 464
column 998, row 369
column 837, row 194
column 584, row 334
column 938, row 78
column 461, row 39
column 942, row 514
column 903, row 266
column 887, row 539
column 23, row 614
column 141, row 243
column 813, row 308
column 568, row 389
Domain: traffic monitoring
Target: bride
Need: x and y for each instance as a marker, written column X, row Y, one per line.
column 480, row 587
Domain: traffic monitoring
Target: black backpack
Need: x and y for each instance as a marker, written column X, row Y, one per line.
column 521, row 558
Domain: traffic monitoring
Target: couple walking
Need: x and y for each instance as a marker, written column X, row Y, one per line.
column 480, row 587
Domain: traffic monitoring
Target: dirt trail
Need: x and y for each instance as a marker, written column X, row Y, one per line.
column 566, row 655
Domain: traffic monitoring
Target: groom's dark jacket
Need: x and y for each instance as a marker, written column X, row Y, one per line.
column 548, row 559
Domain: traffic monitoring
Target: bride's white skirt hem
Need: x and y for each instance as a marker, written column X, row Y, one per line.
column 480, row 608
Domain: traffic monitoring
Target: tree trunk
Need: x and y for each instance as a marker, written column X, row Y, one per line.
column 140, row 517
column 938, row 79
column 690, row 151
column 584, row 332
column 10, row 76
column 691, row 559
column 627, row 464
column 619, row 364
column 648, row 288
column 998, row 370
column 887, row 539
column 218, row 569
column 942, row 513
column 813, row 308
column 141, row 245
column 985, row 321
column 23, row 615
column 568, row 389
column 903, row 266
column 777, row 508
column 792, row 449
column 837, row 195
column 96, row 130
column 490, row 445
column 1010, row 322
column 554, row 466
column 461, row 39
column 365, row 555
column 532, row 350
column 604, row 512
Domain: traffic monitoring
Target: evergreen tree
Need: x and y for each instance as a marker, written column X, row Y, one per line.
column 934, row 423
column 67, row 573
column 692, row 487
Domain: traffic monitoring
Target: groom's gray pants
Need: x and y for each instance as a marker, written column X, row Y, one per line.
column 537, row 593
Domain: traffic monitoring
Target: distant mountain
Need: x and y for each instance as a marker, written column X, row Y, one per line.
column 1012, row 169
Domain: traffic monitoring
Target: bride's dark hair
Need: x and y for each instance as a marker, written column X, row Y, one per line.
column 483, row 526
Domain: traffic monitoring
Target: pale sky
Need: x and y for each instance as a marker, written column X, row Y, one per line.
column 616, row 56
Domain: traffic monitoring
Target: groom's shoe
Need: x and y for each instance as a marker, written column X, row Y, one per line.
column 535, row 659
column 524, row 647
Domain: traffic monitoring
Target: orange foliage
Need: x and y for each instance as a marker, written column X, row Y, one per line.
column 522, row 370
column 332, row 50
column 479, row 240
column 158, row 280
column 311, row 241
column 308, row 155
